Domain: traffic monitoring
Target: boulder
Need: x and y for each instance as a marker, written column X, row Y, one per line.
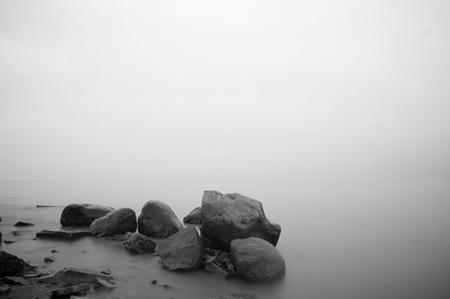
column 139, row 243
column 82, row 214
column 226, row 217
column 158, row 220
column 11, row 265
column 182, row 251
column 63, row 234
column 74, row 276
column 256, row 260
column 194, row 217
column 117, row 222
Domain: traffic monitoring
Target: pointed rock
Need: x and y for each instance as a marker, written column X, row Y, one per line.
column 139, row 243
column 158, row 220
column 194, row 217
column 117, row 222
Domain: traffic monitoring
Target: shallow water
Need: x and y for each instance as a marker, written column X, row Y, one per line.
column 339, row 239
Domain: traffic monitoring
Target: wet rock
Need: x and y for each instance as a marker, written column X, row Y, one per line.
column 48, row 259
column 117, row 222
column 9, row 241
column 44, row 206
column 194, row 217
column 256, row 260
column 101, row 284
column 11, row 265
column 182, row 251
column 20, row 223
column 1, row 236
column 79, row 288
column 53, row 250
column 63, row 234
column 234, row 296
column 15, row 280
column 73, row 276
column 82, row 214
column 226, row 217
column 4, row 290
column 139, row 243
column 218, row 262
column 218, row 271
column 158, row 220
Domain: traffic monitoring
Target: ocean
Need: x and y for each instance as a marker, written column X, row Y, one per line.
column 340, row 239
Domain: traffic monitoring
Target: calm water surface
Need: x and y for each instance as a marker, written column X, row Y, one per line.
column 339, row 239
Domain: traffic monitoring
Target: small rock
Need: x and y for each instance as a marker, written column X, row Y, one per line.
column 15, row 233
column 84, row 287
column 154, row 281
column 48, row 259
column 20, row 223
column 218, row 271
column 139, row 243
column 16, row 280
column 1, row 236
column 103, row 284
column 9, row 241
column 106, row 272
column 73, row 276
column 234, row 296
column 44, row 206
column 1, row 219
column 53, row 250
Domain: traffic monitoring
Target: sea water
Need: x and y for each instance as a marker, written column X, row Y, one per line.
column 345, row 239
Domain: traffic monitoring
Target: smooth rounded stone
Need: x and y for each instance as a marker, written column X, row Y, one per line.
column 226, row 217
column 182, row 251
column 139, row 243
column 117, row 222
column 158, row 220
column 194, row 217
column 82, row 214
column 256, row 260
column 11, row 265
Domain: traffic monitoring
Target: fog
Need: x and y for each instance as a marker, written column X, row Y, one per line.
column 231, row 90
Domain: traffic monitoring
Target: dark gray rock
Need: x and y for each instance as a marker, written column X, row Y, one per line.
column 82, row 214
column 158, row 220
column 101, row 284
column 1, row 237
column 74, row 276
column 139, row 243
column 234, row 296
column 11, row 265
column 21, row 223
column 4, row 290
column 194, row 217
column 15, row 280
column 256, row 260
column 226, row 217
column 49, row 259
column 76, row 289
column 218, row 262
column 117, row 222
column 182, row 251
column 63, row 234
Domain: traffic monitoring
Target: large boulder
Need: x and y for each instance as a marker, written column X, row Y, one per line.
column 117, row 222
column 13, row 265
column 182, row 251
column 139, row 243
column 226, row 217
column 82, row 214
column 158, row 220
column 256, row 260
column 194, row 217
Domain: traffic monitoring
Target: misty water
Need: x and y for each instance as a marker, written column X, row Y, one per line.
column 339, row 239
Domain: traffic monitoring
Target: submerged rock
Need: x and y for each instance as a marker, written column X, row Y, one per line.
column 194, row 217
column 158, row 220
column 63, row 234
column 82, row 214
column 73, row 276
column 226, row 217
column 139, row 243
column 11, row 265
column 117, row 222
column 182, row 251
column 79, row 288
column 256, row 260
column 101, row 284
column 20, row 223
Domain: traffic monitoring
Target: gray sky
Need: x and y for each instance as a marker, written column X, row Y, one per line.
column 229, row 90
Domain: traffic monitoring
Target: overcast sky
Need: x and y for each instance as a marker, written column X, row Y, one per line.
column 224, row 90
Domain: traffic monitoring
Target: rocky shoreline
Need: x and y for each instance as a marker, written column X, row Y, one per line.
column 235, row 239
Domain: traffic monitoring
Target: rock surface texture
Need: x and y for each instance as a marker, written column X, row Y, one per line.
column 62, row 234
column 194, row 217
column 226, row 217
column 182, row 251
column 158, row 220
column 74, row 276
column 11, row 265
column 256, row 260
column 117, row 222
column 139, row 243
column 82, row 214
